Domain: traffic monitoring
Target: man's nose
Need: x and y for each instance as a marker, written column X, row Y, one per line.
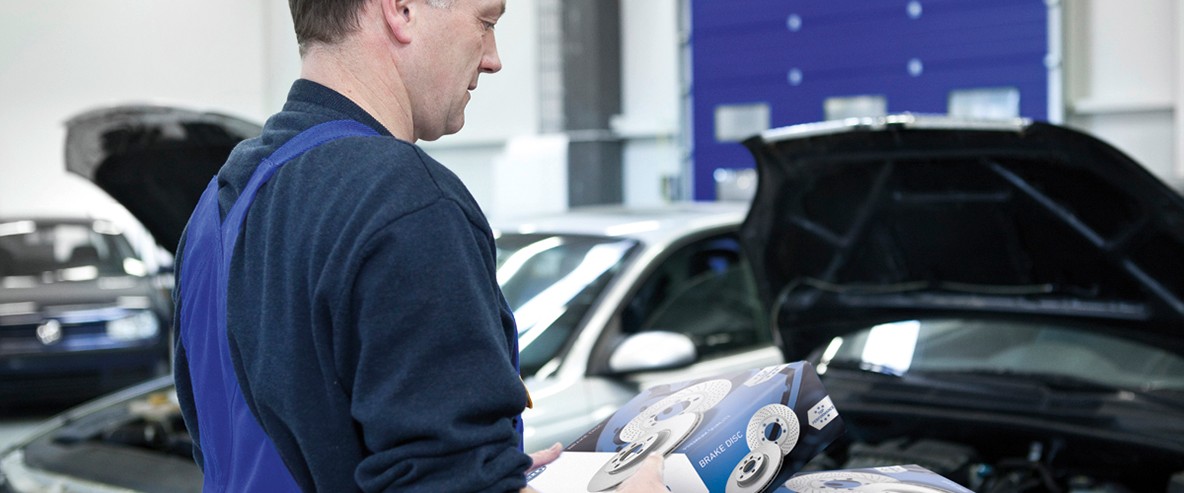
column 490, row 61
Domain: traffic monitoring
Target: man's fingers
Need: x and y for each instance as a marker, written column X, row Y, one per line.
column 545, row 456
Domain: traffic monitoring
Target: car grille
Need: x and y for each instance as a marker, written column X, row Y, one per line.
column 73, row 386
column 22, row 338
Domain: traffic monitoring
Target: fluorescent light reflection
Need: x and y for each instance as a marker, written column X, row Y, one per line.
column 134, row 267
column 552, row 302
column 514, row 262
column 78, row 274
column 18, row 282
column 105, row 228
column 890, row 347
column 21, row 308
column 632, row 228
column 17, row 228
column 829, row 354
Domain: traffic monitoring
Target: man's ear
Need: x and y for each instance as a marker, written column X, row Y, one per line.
column 399, row 16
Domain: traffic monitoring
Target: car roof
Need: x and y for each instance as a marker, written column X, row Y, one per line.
column 651, row 224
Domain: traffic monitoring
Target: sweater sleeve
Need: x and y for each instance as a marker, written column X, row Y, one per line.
column 434, row 390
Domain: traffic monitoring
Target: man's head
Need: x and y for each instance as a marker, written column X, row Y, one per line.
column 425, row 54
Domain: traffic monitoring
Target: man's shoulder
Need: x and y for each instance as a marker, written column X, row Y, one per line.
column 379, row 172
column 374, row 160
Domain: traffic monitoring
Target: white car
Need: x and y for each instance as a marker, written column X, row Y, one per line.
column 611, row 300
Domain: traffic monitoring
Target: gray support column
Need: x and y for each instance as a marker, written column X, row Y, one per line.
column 591, row 96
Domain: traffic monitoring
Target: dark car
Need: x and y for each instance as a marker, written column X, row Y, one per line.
column 81, row 314
column 999, row 302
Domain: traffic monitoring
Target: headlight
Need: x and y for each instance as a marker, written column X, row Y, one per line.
column 142, row 325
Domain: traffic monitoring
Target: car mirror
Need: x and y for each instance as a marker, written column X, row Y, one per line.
column 165, row 281
column 651, row 351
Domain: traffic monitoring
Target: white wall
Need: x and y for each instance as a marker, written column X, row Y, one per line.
column 61, row 57
column 281, row 55
column 1124, row 76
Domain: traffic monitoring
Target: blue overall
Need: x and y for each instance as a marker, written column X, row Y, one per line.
column 238, row 455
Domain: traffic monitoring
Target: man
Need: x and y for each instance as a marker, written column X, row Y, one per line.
column 340, row 326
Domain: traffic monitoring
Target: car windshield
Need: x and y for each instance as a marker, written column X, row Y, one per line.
column 1055, row 352
column 64, row 251
column 550, row 282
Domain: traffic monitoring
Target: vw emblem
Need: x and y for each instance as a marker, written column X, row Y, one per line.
column 49, row 332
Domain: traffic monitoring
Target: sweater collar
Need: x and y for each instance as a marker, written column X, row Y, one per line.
column 307, row 91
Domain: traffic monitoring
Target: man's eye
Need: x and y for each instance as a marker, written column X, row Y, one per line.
column 488, row 25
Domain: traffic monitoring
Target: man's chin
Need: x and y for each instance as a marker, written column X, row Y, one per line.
column 454, row 127
column 434, row 136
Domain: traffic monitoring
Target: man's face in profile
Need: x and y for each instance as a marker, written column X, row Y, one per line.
column 462, row 46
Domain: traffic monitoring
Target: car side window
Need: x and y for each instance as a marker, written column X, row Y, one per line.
column 704, row 290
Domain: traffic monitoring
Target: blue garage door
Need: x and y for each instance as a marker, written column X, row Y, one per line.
column 781, row 62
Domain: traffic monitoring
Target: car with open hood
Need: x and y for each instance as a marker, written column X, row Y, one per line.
column 999, row 302
column 82, row 312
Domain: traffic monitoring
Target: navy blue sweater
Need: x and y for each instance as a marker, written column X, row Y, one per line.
column 367, row 328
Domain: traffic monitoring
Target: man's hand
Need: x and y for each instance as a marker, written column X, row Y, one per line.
column 648, row 478
column 542, row 458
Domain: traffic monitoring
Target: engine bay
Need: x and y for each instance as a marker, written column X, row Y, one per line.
column 1001, row 459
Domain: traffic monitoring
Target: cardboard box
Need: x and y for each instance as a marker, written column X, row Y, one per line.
column 744, row 432
column 891, row 479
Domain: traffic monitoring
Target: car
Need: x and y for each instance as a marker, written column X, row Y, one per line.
column 996, row 301
column 81, row 311
column 1001, row 302
column 610, row 300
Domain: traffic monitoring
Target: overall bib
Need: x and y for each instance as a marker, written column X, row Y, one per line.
column 238, row 455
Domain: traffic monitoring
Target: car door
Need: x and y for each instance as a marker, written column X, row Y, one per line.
column 701, row 289
column 704, row 290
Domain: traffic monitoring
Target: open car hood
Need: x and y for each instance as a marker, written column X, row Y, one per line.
column 155, row 160
column 868, row 221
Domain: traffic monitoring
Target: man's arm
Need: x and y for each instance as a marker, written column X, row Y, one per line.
column 434, row 390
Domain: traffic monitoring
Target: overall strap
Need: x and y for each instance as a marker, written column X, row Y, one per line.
column 301, row 143
column 237, row 454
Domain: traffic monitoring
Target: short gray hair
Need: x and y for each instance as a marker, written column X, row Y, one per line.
column 324, row 21
column 328, row 21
